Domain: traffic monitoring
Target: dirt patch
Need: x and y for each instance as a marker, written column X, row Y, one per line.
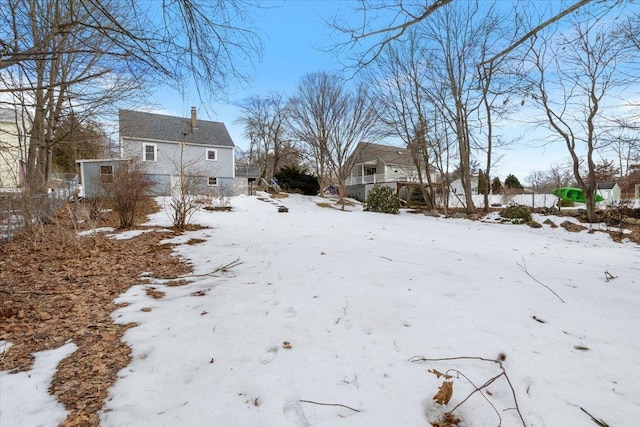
column 56, row 287
column 572, row 226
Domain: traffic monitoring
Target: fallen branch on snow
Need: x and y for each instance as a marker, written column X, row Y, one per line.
column 329, row 404
column 599, row 422
column 223, row 268
column 609, row 276
column 523, row 267
column 487, row 383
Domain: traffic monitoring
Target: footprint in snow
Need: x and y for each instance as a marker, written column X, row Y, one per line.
column 269, row 355
column 294, row 414
column 290, row 311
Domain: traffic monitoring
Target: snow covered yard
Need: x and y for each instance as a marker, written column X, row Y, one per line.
column 321, row 322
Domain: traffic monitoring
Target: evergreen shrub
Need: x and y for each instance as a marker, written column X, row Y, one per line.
column 519, row 214
column 381, row 199
column 294, row 179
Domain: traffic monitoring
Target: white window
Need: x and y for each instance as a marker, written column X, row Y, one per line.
column 212, row 181
column 149, row 152
column 212, row 154
column 106, row 173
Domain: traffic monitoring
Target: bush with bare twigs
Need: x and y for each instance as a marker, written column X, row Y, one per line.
column 128, row 186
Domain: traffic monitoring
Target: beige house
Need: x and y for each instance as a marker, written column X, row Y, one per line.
column 10, row 152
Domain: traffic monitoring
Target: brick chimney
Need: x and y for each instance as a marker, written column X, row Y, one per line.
column 194, row 123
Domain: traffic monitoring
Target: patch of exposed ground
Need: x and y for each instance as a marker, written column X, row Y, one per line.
column 56, row 287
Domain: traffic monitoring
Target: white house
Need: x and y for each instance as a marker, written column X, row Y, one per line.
column 387, row 165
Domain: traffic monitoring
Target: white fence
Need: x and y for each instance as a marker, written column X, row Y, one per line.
column 537, row 200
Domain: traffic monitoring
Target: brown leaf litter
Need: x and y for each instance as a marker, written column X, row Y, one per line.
column 56, row 287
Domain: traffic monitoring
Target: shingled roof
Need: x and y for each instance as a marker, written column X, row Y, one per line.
column 367, row 152
column 606, row 185
column 135, row 124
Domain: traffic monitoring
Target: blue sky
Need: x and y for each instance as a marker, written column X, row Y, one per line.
column 296, row 40
column 294, row 36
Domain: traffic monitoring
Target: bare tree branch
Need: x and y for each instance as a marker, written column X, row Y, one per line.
column 536, row 30
column 330, row 404
column 523, row 267
column 394, row 32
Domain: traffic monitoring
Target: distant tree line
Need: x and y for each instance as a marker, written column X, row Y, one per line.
column 442, row 78
column 445, row 82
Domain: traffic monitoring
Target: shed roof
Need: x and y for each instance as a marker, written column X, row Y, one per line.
column 136, row 124
column 606, row 185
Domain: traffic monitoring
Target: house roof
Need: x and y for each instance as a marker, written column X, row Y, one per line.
column 136, row 124
column 367, row 152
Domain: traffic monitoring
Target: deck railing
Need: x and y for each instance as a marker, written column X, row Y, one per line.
column 377, row 178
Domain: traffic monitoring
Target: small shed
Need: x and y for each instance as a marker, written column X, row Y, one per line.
column 94, row 173
column 610, row 192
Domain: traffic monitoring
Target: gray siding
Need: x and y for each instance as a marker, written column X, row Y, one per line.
column 90, row 176
column 361, row 191
column 168, row 160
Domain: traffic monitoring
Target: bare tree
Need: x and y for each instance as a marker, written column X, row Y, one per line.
column 77, row 75
column 265, row 125
column 174, row 41
column 384, row 23
column 459, row 37
column 575, row 74
column 355, row 121
column 398, row 79
column 186, row 188
column 442, row 140
column 82, row 55
column 557, row 176
column 310, row 115
column 499, row 81
column 332, row 120
column 630, row 29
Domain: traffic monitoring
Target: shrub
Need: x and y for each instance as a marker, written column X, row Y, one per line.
column 417, row 196
column 129, row 185
column 381, row 199
column 292, row 178
column 518, row 213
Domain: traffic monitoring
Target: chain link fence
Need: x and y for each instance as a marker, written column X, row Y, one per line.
column 21, row 212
